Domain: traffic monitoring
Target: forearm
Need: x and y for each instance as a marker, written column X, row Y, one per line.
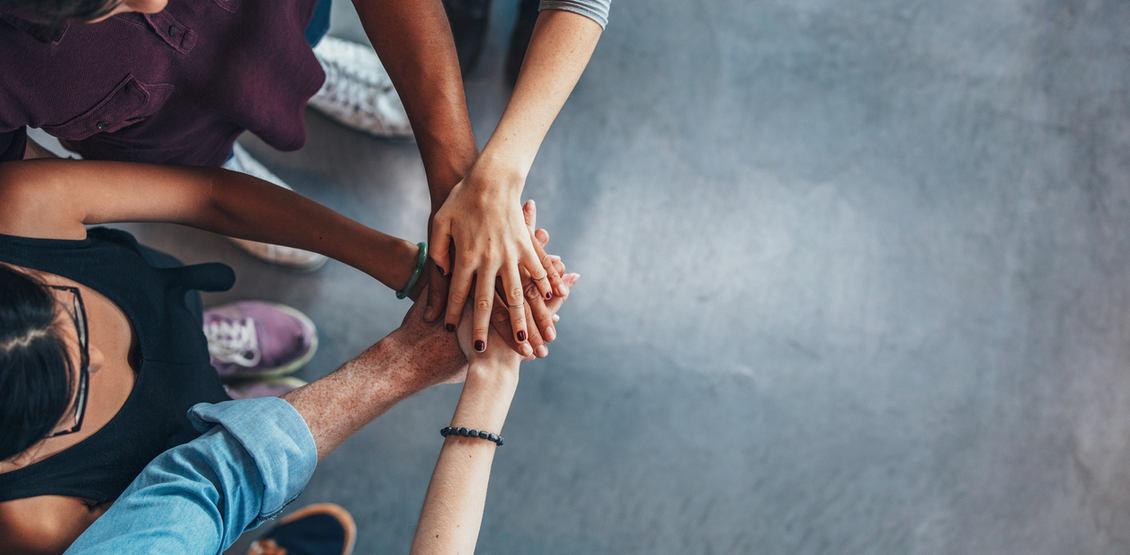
column 246, row 207
column 559, row 50
column 414, row 42
column 364, row 388
column 453, row 507
column 57, row 198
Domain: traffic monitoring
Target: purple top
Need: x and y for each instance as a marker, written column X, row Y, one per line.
column 173, row 87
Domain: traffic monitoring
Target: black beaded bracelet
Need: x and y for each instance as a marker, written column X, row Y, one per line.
column 470, row 432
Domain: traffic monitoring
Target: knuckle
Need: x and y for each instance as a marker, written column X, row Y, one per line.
column 532, row 292
column 480, row 331
column 458, row 298
column 516, row 293
column 482, row 304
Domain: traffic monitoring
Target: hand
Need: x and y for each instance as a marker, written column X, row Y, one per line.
column 435, row 352
column 540, row 319
column 483, row 222
column 498, row 354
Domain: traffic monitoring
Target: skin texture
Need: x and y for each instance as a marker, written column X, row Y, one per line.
column 56, row 199
column 478, row 232
column 453, row 507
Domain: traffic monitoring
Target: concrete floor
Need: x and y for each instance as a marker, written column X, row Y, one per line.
column 856, row 280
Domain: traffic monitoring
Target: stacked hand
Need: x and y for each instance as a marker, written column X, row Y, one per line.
column 480, row 234
column 447, row 361
column 522, row 279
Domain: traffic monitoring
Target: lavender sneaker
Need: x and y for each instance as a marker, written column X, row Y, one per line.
column 257, row 339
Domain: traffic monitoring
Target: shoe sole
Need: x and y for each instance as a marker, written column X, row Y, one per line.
column 293, row 366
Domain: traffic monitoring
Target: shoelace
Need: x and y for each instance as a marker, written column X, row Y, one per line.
column 234, row 341
column 359, row 93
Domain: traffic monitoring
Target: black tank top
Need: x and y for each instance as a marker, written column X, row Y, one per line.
column 157, row 295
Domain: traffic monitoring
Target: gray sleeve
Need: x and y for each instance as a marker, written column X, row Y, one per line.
column 596, row 10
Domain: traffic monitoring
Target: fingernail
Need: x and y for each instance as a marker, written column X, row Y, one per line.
column 541, row 351
column 521, row 335
column 526, row 350
column 556, row 318
column 449, row 327
column 480, row 345
column 548, row 295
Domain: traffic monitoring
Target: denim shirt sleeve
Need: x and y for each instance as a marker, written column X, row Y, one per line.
column 254, row 457
column 596, row 10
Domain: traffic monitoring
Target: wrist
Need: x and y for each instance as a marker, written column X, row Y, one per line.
column 389, row 260
column 503, row 172
column 402, row 379
column 492, row 374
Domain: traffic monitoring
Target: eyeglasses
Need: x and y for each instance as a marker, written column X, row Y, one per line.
column 79, row 317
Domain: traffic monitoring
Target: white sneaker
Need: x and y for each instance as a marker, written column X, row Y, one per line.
column 290, row 257
column 358, row 92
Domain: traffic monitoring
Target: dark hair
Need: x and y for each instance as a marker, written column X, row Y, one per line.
column 58, row 12
column 36, row 372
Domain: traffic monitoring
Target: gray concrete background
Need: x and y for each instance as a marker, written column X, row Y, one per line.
column 856, row 280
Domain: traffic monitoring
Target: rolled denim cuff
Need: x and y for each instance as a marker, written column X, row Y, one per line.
column 274, row 435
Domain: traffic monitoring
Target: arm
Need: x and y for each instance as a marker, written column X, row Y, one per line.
column 259, row 454
column 482, row 217
column 58, row 198
column 453, row 508
column 414, row 42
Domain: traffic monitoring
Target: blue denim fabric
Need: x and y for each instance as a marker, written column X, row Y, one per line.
column 255, row 457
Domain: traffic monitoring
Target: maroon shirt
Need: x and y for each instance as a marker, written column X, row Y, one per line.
column 174, row 87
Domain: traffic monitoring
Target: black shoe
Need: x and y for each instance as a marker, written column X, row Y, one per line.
column 520, row 39
column 469, row 19
column 319, row 529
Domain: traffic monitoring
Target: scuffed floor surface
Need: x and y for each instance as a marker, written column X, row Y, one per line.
column 856, row 280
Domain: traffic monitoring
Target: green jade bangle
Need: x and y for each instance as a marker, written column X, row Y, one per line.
column 421, row 257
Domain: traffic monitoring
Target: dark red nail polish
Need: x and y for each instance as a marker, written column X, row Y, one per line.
column 548, row 295
column 449, row 327
column 480, row 346
column 521, row 335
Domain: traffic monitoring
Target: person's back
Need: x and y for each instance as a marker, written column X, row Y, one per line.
column 177, row 86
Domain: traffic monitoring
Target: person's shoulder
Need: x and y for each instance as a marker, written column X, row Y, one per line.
column 43, row 524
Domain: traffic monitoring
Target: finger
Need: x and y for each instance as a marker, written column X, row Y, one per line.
column 458, row 290
column 480, row 322
column 516, row 302
column 437, row 294
column 552, row 276
column 441, row 245
column 537, row 342
column 540, row 318
column 555, row 303
column 530, row 214
column 551, row 281
column 558, row 264
column 537, row 271
column 500, row 321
